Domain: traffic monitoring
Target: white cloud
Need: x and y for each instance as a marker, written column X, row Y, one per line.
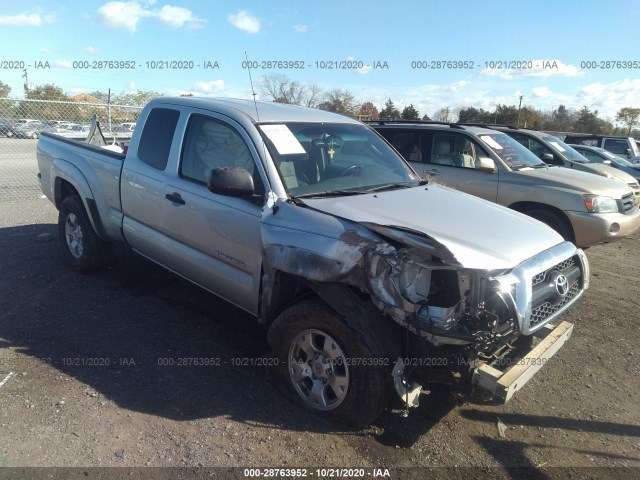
column 245, row 21
column 127, row 15
column 609, row 98
column 209, row 88
column 177, row 17
column 63, row 64
column 364, row 70
column 301, row 28
column 91, row 50
column 26, row 20
column 538, row 68
column 121, row 15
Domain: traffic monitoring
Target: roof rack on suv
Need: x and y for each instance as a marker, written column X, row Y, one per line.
column 491, row 125
column 386, row 121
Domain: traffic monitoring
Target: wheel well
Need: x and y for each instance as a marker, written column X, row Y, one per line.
column 283, row 289
column 524, row 207
column 63, row 189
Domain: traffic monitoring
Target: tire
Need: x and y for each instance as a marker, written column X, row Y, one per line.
column 554, row 220
column 82, row 249
column 327, row 367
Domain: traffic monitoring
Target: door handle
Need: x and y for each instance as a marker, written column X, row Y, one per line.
column 175, row 198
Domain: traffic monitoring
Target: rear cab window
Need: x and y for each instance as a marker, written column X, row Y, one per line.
column 157, row 136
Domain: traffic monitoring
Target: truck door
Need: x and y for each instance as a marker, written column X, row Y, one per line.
column 216, row 238
column 143, row 183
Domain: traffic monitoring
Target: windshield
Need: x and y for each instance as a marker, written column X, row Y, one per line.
column 565, row 150
column 512, row 152
column 334, row 158
column 621, row 162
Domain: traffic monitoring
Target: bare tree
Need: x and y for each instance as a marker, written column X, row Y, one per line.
column 339, row 101
column 280, row 88
column 313, row 95
column 442, row 115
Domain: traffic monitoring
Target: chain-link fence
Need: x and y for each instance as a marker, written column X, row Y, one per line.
column 22, row 121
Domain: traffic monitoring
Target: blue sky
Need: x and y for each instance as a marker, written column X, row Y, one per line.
column 396, row 33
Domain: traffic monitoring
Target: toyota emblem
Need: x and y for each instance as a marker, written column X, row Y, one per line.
column 562, row 285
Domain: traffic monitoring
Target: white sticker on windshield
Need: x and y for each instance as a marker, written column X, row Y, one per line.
column 557, row 145
column 491, row 142
column 282, row 139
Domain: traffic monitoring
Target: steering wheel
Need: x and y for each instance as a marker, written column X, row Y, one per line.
column 351, row 170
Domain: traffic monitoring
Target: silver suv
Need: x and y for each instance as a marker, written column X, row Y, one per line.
column 583, row 208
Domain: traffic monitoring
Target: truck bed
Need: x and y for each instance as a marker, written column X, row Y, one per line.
column 94, row 171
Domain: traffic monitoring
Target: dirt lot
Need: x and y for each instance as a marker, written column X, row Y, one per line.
column 88, row 387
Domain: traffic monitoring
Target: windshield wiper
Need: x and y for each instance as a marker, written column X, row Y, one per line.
column 386, row 186
column 329, row 193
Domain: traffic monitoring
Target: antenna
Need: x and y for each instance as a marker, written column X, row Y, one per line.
column 253, row 92
column 274, row 205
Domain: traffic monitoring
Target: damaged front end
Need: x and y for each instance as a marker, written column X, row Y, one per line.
column 438, row 299
column 456, row 319
column 483, row 313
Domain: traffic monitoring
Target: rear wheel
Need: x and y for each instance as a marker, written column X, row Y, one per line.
column 554, row 220
column 327, row 367
column 82, row 249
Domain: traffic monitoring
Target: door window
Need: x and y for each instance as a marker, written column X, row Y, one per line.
column 455, row 150
column 209, row 144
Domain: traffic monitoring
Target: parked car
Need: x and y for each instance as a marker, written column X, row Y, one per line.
column 626, row 147
column 123, row 129
column 312, row 223
column 74, row 130
column 29, row 129
column 584, row 208
column 553, row 151
column 600, row 155
column 20, row 123
column 5, row 126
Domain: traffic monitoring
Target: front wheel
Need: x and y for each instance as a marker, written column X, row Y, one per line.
column 82, row 249
column 554, row 220
column 328, row 367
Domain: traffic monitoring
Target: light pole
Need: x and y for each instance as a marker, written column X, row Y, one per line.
column 521, row 96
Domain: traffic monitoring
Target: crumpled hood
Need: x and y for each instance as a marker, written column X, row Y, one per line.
column 477, row 234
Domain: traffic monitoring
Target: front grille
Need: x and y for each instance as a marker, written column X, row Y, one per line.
column 635, row 189
column 562, row 266
column 628, row 203
column 544, row 311
column 546, row 299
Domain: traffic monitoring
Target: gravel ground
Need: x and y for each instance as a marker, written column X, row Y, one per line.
column 85, row 384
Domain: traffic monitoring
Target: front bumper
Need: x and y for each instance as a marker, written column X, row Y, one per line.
column 498, row 386
column 593, row 228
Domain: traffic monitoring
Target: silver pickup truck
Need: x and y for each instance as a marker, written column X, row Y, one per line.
column 367, row 279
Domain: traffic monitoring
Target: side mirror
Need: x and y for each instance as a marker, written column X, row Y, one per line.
column 607, row 162
column 547, row 157
column 232, row 182
column 627, row 152
column 485, row 164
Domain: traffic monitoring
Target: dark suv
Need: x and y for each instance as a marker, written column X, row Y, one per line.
column 625, row 147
